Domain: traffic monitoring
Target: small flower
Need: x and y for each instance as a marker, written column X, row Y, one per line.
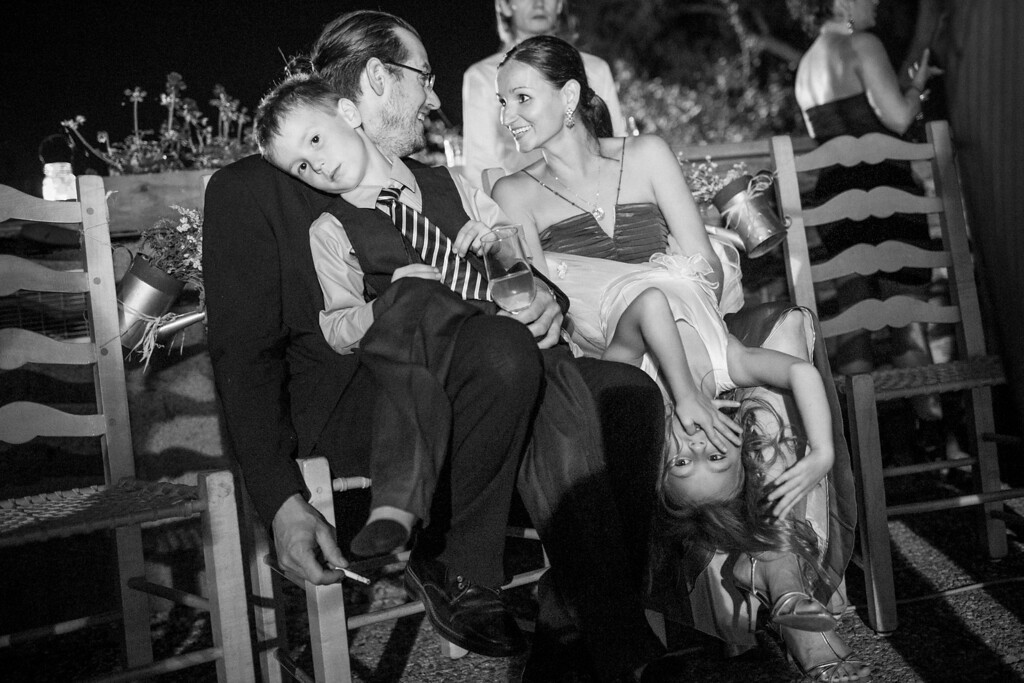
column 73, row 124
column 135, row 96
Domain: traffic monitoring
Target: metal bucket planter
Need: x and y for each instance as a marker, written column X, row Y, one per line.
column 145, row 295
column 746, row 208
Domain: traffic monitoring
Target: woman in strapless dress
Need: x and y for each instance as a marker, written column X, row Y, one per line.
column 600, row 208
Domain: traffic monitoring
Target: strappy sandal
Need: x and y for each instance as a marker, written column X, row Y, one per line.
column 831, row 671
column 793, row 609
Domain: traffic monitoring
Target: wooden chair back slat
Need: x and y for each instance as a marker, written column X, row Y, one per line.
column 18, row 347
column 872, row 148
column 888, row 257
column 17, row 204
column 22, row 421
column 18, row 274
column 881, row 202
column 897, row 311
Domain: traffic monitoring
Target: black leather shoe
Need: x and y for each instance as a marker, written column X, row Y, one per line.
column 471, row 616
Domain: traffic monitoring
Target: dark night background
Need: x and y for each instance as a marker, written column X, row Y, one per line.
column 64, row 58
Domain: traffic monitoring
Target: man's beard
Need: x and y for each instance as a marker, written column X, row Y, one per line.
column 398, row 135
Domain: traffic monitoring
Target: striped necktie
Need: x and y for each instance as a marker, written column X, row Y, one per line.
column 433, row 247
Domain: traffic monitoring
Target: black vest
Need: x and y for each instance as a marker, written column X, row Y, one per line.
column 379, row 246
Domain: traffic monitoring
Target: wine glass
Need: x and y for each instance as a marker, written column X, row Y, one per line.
column 508, row 271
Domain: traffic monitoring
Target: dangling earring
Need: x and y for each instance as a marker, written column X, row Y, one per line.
column 570, row 117
column 850, row 26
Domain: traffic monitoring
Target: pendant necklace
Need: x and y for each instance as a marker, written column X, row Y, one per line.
column 595, row 210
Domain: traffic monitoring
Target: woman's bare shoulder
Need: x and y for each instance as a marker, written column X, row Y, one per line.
column 517, row 188
column 866, row 46
column 649, row 152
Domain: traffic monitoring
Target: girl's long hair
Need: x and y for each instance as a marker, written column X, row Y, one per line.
column 744, row 523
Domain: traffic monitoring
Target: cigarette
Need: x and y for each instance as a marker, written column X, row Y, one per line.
column 350, row 574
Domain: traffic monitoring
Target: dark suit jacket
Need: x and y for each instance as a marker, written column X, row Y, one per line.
column 277, row 379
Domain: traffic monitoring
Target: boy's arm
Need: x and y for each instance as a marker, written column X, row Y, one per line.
column 751, row 367
column 757, row 366
column 347, row 315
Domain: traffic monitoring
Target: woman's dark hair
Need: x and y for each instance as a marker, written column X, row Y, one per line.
column 559, row 62
column 811, row 13
column 743, row 524
column 346, row 45
column 301, row 89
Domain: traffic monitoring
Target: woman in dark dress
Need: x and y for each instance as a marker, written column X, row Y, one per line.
column 845, row 85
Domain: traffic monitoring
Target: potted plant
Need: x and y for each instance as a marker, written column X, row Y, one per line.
column 169, row 260
column 743, row 202
column 152, row 170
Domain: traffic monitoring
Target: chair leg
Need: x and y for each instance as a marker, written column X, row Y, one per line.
column 328, row 633
column 138, row 644
column 225, row 576
column 986, row 477
column 451, row 650
column 874, row 530
column 328, row 624
column 268, row 612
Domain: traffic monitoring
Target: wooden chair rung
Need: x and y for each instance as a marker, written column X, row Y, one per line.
column 957, row 502
column 164, row 666
column 174, row 595
column 60, row 628
column 922, row 467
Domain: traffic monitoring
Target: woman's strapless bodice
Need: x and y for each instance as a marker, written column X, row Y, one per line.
column 847, row 116
column 640, row 231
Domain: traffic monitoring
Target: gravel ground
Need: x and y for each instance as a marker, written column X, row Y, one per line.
column 973, row 633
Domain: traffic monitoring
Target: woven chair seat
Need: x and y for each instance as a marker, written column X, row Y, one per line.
column 60, row 514
column 896, row 383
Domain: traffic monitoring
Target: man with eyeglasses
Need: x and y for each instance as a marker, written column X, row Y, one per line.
column 285, row 393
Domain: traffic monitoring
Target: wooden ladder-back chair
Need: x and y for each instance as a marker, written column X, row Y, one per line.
column 122, row 503
column 329, row 625
column 972, row 370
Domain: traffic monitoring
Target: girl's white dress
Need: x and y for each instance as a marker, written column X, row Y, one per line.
column 600, row 290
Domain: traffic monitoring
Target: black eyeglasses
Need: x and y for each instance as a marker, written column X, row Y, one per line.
column 426, row 77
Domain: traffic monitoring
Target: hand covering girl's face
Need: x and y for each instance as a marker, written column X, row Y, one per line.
column 696, row 471
column 531, row 108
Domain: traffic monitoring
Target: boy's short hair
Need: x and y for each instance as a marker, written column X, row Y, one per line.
column 297, row 90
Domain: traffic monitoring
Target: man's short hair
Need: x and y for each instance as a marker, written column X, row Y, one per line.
column 346, row 45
